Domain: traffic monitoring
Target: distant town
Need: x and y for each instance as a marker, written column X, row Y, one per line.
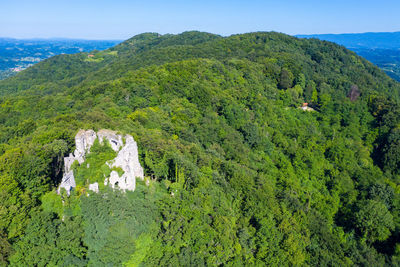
column 17, row 55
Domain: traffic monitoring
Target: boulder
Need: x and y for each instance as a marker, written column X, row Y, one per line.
column 94, row 187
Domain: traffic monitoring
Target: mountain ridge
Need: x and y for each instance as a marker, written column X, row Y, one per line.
column 127, row 61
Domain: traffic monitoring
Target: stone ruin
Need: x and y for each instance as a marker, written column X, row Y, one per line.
column 127, row 159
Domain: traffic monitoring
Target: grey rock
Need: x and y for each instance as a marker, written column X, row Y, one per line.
column 94, row 187
column 114, row 139
column 83, row 142
column 68, row 182
column 127, row 159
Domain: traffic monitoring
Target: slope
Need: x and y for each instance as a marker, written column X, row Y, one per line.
column 238, row 174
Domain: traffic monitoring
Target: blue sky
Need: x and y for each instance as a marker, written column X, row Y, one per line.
column 121, row 19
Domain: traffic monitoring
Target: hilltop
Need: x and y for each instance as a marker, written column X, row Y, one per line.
column 235, row 173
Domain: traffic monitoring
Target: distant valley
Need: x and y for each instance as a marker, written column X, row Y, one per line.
column 19, row 54
column 382, row 49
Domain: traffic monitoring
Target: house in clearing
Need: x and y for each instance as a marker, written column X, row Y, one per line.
column 305, row 107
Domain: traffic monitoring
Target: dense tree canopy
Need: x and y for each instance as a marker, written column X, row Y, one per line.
column 238, row 174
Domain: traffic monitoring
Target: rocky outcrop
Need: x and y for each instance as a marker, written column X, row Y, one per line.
column 68, row 182
column 127, row 159
column 115, row 140
column 83, row 141
column 94, row 187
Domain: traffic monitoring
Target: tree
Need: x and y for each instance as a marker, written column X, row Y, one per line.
column 391, row 150
column 301, row 80
column 285, row 79
column 314, row 97
column 374, row 221
column 5, row 249
column 354, row 93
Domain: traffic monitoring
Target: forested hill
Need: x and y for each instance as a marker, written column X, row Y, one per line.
column 19, row 54
column 237, row 173
column 154, row 49
column 381, row 48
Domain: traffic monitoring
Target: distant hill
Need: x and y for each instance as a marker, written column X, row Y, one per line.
column 382, row 49
column 19, row 54
column 372, row 40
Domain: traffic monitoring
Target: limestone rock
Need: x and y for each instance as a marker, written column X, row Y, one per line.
column 68, row 182
column 83, row 142
column 113, row 138
column 127, row 159
column 94, row 187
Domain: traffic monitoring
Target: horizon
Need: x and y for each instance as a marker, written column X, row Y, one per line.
column 108, row 39
column 100, row 20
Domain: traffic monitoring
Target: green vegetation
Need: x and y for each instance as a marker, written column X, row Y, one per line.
column 382, row 49
column 19, row 54
column 237, row 173
column 94, row 169
column 387, row 59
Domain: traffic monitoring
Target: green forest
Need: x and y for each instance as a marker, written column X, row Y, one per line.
column 238, row 174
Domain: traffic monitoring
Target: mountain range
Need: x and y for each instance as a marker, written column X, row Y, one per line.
column 369, row 40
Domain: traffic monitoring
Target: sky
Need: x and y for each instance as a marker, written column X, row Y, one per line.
column 122, row 19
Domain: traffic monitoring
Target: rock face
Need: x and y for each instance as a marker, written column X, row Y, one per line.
column 83, row 142
column 68, row 182
column 114, row 139
column 127, row 159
